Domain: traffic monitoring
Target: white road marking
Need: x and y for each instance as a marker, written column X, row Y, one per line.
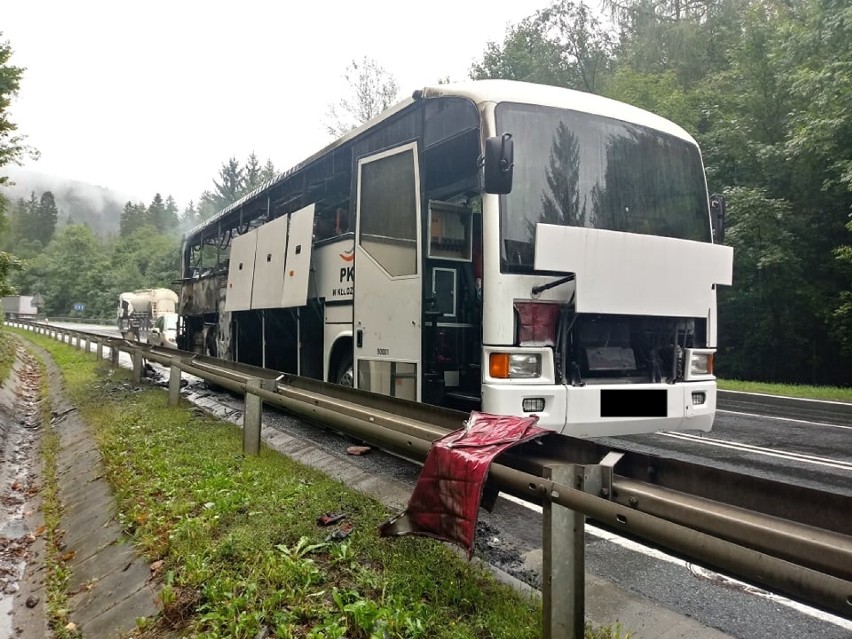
column 698, row 571
column 795, row 399
column 769, row 452
column 784, row 419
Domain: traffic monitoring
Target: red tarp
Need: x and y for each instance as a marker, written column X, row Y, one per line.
column 445, row 501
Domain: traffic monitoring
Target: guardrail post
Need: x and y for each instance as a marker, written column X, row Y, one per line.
column 113, row 354
column 87, row 345
column 136, row 354
column 100, row 349
column 252, row 414
column 251, row 419
column 563, row 567
column 174, row 383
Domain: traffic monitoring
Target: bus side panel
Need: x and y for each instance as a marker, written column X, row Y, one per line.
column 241, row 272
column 333, row 281
column 297, row 266
column 334, row 271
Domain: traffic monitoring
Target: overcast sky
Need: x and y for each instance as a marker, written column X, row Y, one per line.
column 153, row 96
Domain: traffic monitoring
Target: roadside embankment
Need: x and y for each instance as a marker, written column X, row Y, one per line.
column 231, row 544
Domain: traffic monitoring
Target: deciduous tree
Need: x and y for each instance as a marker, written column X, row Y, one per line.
column 564, row 45
column 371, row 90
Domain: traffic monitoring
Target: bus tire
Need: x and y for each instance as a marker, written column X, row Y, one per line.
column 345, row 375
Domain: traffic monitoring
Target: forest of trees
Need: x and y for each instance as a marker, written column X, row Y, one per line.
column 72, row 263
column 763, row 85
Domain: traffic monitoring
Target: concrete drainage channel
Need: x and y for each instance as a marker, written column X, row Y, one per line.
column 110, row 585
column 20, row 420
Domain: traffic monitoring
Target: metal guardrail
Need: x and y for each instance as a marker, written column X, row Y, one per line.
column 105, row 321
column 787, row 539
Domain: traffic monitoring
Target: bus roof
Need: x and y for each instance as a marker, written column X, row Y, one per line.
column 481, row 92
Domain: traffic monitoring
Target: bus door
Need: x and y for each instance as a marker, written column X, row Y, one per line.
column 388, row 290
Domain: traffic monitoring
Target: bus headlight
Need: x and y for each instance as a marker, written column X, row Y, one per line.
column 699, row 363
column 514, row 365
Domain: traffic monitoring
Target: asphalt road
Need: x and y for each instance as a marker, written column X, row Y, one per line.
column 796, row 447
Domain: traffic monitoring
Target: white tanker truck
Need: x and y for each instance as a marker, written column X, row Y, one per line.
column 138, row 311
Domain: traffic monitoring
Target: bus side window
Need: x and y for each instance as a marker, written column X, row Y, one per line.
column 324, row 225
column 342, row 220
column 331, row 223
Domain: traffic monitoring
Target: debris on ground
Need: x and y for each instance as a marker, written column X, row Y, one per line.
column 327, row 519
column 340, row 533
column 358, row 450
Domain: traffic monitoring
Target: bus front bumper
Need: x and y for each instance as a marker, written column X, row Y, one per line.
column 610, row 409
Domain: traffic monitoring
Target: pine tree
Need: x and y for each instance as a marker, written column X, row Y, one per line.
column 155, row 215
column 45, row 217
column 208, row 206
column 229, row 187
column 268, row 172
column 252, row 176
column 132, row 217
column 170, row 216
column 189, row 218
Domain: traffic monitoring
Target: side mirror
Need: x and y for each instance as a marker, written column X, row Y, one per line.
column 718, row 210
column 499, row 164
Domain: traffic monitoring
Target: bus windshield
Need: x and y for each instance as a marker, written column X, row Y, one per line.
column 580, row 169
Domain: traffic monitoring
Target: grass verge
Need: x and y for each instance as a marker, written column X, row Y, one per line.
column 234, row 543
column 831, row 393
column 7, row 356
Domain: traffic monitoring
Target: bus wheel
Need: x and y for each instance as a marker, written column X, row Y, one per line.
column 346, row 373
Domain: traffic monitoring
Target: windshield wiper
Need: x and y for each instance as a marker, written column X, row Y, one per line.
column 536, row 290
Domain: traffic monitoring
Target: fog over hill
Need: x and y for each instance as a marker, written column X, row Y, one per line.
column 78, row 202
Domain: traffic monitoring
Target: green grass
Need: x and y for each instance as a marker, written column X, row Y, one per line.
column 238, row 541
column 832, row 393
column 7, row 356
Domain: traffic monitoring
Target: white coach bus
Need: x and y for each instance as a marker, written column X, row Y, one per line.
column 520, row 249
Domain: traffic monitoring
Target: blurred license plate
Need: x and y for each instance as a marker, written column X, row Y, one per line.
column 634, row 403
